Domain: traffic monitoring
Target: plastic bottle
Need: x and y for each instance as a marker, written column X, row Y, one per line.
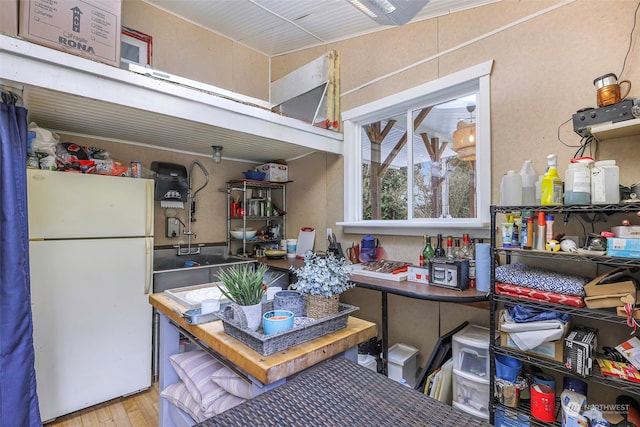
column 541, row 233
column 511, row 189
column 551, row 186
column 549, row 226
column 529, row 177
column 605, row 183
column 577, row 184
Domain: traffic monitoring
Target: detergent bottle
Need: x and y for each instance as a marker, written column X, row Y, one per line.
column 551, row 185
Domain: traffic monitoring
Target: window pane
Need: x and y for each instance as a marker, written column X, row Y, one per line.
column 444, row 160
column 384, row 169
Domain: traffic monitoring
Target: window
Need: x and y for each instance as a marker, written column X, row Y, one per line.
column 437, row 173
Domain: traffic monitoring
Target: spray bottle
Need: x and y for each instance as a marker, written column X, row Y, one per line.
column 551, row 186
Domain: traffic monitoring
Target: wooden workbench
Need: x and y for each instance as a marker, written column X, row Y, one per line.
column 269, row 369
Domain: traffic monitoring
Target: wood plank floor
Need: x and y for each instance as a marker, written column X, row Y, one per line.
column 137, row 410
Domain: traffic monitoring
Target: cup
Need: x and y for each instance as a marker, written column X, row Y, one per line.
column 277, row 321
column 292, row 244
column 209, row 306
column 608, row 89
column 289, row 300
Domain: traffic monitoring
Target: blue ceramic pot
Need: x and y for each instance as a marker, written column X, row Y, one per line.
column 289, row 300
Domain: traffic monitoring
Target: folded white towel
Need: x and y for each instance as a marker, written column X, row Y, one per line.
column 527, row 338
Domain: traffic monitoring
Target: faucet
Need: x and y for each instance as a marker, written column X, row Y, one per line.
column 191, row 202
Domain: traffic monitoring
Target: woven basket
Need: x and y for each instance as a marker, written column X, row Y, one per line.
column 318, row 306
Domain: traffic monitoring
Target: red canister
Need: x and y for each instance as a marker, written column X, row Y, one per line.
column 543, row 402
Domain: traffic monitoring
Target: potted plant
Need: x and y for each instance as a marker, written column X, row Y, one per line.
column 322, row 280
column 244, row 285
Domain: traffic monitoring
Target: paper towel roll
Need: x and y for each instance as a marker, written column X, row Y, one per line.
column 483, row 267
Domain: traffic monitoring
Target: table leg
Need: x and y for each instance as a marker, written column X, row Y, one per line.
column 385, row 334
column 169, row 344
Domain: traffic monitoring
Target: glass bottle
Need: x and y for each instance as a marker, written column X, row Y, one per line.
column 449, row 253
column 472, row 263
column 439, row 251
column 465, row 250
column 427, row 252
column 457, row 249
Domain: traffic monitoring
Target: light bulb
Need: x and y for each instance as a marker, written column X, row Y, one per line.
column 217, row 153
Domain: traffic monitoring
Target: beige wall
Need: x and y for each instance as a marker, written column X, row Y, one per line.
column 190, row 51
column 543, row 72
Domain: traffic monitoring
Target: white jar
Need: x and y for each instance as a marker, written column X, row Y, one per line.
column 605, row 183
column 511, row 189
column 577, row 184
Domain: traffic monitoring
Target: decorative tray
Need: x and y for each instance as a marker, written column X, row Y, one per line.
column 273, row 343
column 192, row 296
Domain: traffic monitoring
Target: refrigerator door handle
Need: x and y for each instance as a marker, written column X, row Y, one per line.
column 148, row 243
column 150, row 197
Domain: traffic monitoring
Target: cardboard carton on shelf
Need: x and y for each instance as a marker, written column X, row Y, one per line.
column 604, row 295
column 553, row 350
column 88, row 28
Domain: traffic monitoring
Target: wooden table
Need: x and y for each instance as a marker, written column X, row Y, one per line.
column 265, row 372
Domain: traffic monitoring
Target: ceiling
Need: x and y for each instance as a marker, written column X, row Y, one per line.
column 275, row 27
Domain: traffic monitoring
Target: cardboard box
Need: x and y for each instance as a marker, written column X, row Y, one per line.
column 608, row 294
column 553, row 350
column 626, row 231
column 626, row 248
column 579, row 347
column 9, row 17
column 88, row 28
column 275, row 172
column 418, row 274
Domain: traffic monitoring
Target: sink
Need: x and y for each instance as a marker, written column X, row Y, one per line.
column 172, row 271
column 175, row 262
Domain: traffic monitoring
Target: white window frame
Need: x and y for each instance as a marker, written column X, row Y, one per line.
column 431, row 93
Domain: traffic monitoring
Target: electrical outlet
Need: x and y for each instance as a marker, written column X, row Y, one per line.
column 329, row 233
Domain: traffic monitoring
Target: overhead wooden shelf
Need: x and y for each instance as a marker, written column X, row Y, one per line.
column 616, row 130
column 70, row 94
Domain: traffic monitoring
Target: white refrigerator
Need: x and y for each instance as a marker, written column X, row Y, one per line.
column 91, row 263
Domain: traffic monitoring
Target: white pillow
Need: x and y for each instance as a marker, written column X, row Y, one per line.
column 232, row 383
column 195, row 369
column 222, row 403
column 178, row 395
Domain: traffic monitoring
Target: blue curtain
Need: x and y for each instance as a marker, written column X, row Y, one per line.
column 18, row 398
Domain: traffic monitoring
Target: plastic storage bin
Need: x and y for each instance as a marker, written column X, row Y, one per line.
column 368, row 361
column 471, row 351
column 471, row 393
column 402, row 363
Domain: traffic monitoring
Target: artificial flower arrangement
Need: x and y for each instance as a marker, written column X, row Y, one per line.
column 322, row 276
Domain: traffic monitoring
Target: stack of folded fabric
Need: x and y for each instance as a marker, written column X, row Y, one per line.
column 206, row 387
column 536, row 284
column 529, row 327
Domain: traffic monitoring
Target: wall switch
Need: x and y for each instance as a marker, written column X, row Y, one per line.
column 329, row 233
column 173, row 227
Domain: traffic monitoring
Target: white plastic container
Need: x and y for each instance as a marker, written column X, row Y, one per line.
column 577, row 184
column 605, row 183
column 368, row 361
column 402, row 363
column 529, row 177
column 471, row 394
column 471, row 352
column 511, row 189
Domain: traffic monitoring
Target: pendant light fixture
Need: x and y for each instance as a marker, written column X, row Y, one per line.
column 464, row 137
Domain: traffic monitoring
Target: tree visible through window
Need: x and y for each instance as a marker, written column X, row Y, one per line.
column 443, row 172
